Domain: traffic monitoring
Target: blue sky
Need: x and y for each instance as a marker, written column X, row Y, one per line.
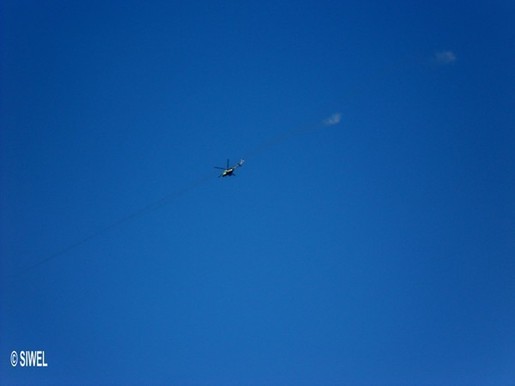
column 376, row 251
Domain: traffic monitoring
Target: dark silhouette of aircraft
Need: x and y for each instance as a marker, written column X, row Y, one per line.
column 229, row 171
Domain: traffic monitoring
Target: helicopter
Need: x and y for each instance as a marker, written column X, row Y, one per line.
column 229, row 171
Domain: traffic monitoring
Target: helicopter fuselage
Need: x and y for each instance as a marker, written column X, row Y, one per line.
column 228, row 172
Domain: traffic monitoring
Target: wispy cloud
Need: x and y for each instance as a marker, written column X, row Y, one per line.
column 445, row 57
column 333, row 119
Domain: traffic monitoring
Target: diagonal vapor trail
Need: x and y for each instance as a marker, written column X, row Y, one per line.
column 334, row 119
column 281, row 137
column 115, row 224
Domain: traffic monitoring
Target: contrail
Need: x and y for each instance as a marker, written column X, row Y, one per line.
column 115, row 224
column 330, row 121
column 334, row 119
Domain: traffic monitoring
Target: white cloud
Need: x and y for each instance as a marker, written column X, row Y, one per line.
column 445, row 57
column 333, row 119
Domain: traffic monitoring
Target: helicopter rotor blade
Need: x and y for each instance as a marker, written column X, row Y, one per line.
column 218, row 167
